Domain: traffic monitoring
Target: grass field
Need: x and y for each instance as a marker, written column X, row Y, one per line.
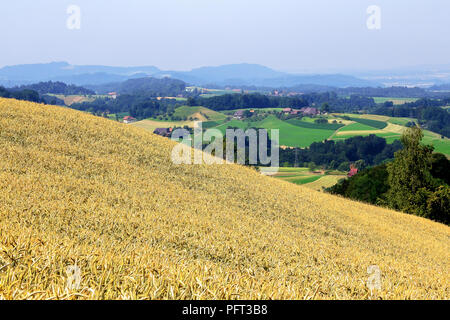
column 293, row 135
column 367, row 121
column 326, row 181
column 392, row 131
column 440, row 145
column 104, row 197
column 357, row 127
column 401, row 121
column 302, row 133
column 312, row 125
column 290, row 135
column 372, row 117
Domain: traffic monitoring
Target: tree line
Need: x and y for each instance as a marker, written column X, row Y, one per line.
column 140, row 106
column 364, row 151
column 260, row 101
column 25, row 94
column 149, row 86
column 54, row 88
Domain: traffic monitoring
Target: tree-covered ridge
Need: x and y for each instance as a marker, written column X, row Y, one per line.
column 257, row 100
column 25, row 94
column 55, row 88
column 244, row 101
column 365, row 151
column 140, row 106
column 165, row 87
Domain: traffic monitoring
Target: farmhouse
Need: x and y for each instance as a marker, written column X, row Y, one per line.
column 352, row 171
column 287, row 110
column 165, row 132
column 113, row 95
column 239, row 114
column 310, row 111
column 129, row 119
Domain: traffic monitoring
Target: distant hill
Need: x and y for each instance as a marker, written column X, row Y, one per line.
column 71, row 74
column 257, row 75
column 330, row 80
column 243, row 72
column 235, row 74
column 442, row 87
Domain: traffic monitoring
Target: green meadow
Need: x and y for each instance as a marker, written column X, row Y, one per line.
column 301, row 132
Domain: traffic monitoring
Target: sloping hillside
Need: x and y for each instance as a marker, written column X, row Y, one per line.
column 199, row 113
column 81, row 190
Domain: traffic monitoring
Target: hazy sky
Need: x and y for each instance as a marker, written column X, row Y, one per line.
column 289, row 35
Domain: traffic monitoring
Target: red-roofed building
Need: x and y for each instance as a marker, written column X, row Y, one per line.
column 310, row 111
column 113, row 95
column 129, row 119
column 352, row 171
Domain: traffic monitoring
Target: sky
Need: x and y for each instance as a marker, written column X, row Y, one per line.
column 287, row 35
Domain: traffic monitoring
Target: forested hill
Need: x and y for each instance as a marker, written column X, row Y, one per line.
column 256, row 100
column 25, row 94
column 150, row 86
column 54, row 88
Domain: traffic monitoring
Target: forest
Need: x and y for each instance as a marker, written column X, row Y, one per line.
column 362, row 151
column 55, row 88
column 259, row 101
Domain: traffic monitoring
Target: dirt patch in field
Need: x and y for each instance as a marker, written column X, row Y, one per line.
column 394, row 128
column 151, row 125
column 198, row 117
column 356, row 132
column 375, row 117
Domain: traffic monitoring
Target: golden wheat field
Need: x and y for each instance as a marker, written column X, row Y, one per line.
column 103, row 196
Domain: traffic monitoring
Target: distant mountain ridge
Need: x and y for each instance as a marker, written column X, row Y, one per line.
column 234, row 74
column 70, row 74
column 256, row 75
